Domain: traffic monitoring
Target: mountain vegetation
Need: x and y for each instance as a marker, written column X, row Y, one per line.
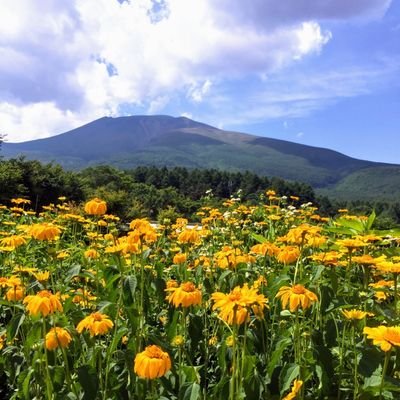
column 164, row 141
column 165, row 192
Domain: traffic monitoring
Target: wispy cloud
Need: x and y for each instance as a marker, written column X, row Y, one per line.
column 75, row 61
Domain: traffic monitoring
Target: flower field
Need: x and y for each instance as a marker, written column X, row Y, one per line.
column 268, row 301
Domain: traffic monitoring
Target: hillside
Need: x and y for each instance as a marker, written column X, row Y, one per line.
column 128, row 142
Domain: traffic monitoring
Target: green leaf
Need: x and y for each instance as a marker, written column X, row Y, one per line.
column 192, row 392
column 370, row 220
column 72, row 272
column 277, row 354
column 130, row 284
column 14, row 325
column 26, row 383
column 288, row 374
column 259, row 238
column 89, row 381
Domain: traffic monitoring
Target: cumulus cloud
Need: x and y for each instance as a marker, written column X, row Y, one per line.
column 64, row 63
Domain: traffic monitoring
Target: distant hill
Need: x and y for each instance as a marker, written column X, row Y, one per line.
column 128, row 142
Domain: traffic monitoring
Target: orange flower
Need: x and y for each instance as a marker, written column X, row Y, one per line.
column 189, row 236
column 179, row 258
column 57, row 337
column 44, row 231
column 184, row 295
column 288, row 254
column 15, row 293
column 96, row 207
column 265, row 249
column 296, row 296
column 96, row 323
column 235, row 307
column 91, row 253
column 44, row 302
column 297, row 384
column 152, row 363
column 383, row 336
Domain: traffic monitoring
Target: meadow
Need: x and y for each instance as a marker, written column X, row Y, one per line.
column 264, row 301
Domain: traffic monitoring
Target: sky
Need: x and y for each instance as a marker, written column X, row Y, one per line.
column 318, row 72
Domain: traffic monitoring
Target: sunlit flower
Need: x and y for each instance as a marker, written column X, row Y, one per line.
column 266, row 248
column 297, row 384
column 288, row 254
column 179, row 258
column 44, row 302
column 383, row 336
column 96, row 323
column 296, row 296
column 91, row 253
column 57, row 337
column 44, row 231
column 152, row 363
column 354, row 314
column 178, row 341
column 13, row 241
column 235, row 307
column 15, row 293
column 189, row 236
column 42, row 276
column 96, row 206
column 185, row 295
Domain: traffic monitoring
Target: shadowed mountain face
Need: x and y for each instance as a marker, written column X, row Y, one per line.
column 167, row 141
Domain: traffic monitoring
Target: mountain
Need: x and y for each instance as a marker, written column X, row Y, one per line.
column 161, row 140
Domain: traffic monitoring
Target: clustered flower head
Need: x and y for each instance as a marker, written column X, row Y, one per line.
column 236, row 306
column 96, row 323
column 96, row 206
column 44, row 231
column 57, row 337
column 152, row 363
column 185, row 295
column 296, row 296
column 43, row 302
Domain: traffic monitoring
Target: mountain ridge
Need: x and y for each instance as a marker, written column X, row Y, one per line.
column 164, row 140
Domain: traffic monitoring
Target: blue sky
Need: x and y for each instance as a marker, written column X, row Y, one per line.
column 323, row 73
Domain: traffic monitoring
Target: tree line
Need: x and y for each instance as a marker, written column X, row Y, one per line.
column 159, row 192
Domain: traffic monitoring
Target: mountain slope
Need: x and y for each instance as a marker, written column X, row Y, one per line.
column 163, row 140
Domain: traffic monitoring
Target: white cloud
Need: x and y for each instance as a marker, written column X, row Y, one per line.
column 66, row 62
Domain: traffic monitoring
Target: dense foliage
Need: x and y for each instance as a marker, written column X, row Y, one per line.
column 160, row 192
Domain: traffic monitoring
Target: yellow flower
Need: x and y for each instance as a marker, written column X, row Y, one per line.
column 297, row 384
column 44, row 231
column 44, row 302
column 42, row 276
column 152, row 363
column 15, row 293
column 178, row 341
column 354, row 314
column 57, row 337
column 235, row 307
column 288, row 254
column 96, row 323
column 229, row 341
column 189, row 236
column 179, row 258
column 296, row 296
column 383, row 336
column 184, row 295
column 13, row 241
column 91, row 253
column 96, row 207
column 265, row 249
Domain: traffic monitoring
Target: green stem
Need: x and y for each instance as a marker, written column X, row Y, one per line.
column 385, row 365
column 49, row 386
column 341, row 351
column 355, row 363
